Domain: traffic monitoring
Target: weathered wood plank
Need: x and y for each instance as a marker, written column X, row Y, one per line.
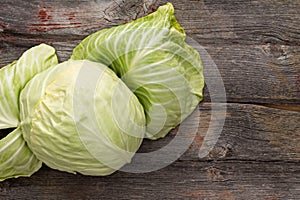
column 209, row 22
column 241, row 21
column 257, row 156
column 68, row 18
column 250, row 132
column 189, row 180
column 257, row 71
column 251, row 74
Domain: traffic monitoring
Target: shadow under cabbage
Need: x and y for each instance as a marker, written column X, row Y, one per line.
column 5, row 132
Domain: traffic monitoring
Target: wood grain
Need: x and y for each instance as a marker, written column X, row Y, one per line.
column 71, row 18
column 266, row 74
column 241, row 21
column 253, row 159
column 258, row 73
column 250, row 133
column 253, row 72
column 201, row 180
column 208, row 21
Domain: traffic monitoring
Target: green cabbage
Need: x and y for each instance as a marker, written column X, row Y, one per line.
column 91, row 113
column 153, row 60
column 70, row 130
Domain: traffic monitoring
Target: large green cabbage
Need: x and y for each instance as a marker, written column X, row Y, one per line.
column 152, row 58
column 75, row 126
column 91, row 113
column 64, row 119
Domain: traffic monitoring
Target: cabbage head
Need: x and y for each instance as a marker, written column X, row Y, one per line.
column 151, row 57
column 76, row 116
column 79, row 116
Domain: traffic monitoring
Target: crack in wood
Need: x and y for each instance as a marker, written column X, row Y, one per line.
column 272, row 106
column 283, row 107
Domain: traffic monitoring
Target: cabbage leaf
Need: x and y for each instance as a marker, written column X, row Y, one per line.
column 15, row 76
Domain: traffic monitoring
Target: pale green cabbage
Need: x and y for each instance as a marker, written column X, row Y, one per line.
column 153, row 60
column 91, row 113
column 92, row 141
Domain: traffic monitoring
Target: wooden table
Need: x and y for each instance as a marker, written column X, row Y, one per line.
column 256, row 47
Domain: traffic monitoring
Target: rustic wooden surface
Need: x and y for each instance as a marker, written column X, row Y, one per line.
column 256, row 46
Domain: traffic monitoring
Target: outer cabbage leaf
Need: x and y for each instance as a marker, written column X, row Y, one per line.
column 152, row 58
column 15, row 76
column 76, row 126
column 16, row 158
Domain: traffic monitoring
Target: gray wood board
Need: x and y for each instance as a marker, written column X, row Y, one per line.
column 258, row 59
column 257, row 155
column 189, row 180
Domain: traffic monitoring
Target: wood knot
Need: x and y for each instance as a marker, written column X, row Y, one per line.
column 277, row 52
column 220, row 152
column 214, row 174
